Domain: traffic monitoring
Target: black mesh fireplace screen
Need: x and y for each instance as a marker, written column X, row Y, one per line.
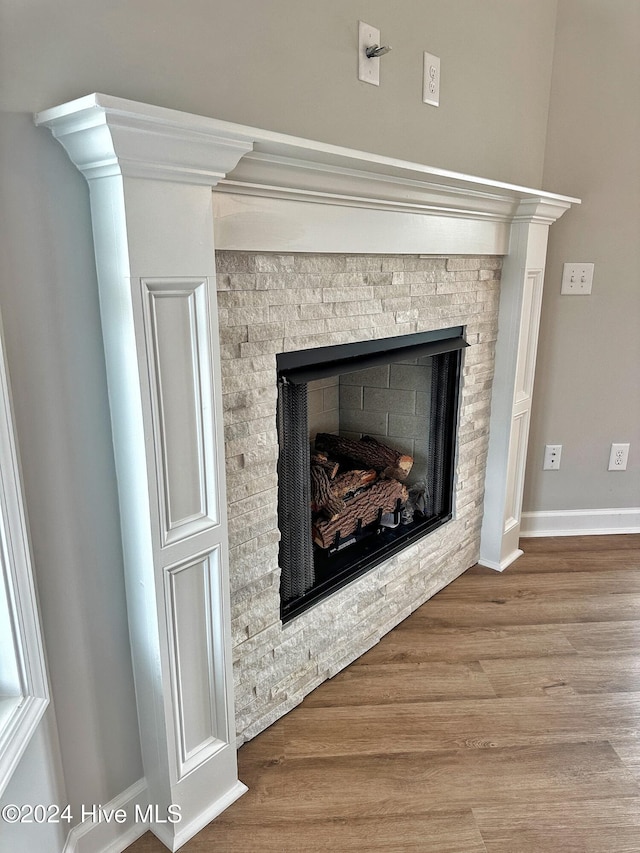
column 294, row 492
column 377, row 444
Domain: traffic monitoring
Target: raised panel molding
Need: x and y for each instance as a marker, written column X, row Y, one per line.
column 177, row 331
column 515, row 472
column 532, row 304
column 197, row 661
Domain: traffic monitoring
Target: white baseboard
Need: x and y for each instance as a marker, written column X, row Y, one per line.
column 102, row 836
column 580, row 522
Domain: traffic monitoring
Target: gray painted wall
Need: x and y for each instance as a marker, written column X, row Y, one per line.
column 291, row 67
column 587, row 388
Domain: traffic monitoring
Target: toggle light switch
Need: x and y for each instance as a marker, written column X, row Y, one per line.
column 369, row 53
column 577, row 279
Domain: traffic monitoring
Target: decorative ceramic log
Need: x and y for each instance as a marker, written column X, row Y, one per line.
column 346, row 484
column 367, row 451
column 323, row 498
column 330, row 465
column 362, row 509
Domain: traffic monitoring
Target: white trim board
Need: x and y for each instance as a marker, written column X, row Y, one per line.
column 580, row 522
column 24, row 687
column 94, row 836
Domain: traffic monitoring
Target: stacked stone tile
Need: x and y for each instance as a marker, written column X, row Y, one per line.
column 270, row 303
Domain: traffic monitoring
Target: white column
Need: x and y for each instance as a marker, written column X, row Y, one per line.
column 516, row 348
column 153, row 233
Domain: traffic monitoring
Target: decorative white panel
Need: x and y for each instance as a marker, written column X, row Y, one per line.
column 196, row 650
column 178, row 352
column 531, row 302
column 264, row 224
column 515, row 471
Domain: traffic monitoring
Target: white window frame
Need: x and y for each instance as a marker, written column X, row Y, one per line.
column 24, row 689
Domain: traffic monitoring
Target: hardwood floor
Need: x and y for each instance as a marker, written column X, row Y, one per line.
column 502, row 717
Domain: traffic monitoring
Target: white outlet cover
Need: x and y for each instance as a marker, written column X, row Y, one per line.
column 618, row 457
column 577, row 279
column 368, row 69
column 431, row 80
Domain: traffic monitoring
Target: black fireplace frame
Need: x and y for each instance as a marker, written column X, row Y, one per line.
column 300, row 367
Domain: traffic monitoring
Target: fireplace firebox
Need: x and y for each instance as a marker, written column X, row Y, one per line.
column 367, row 441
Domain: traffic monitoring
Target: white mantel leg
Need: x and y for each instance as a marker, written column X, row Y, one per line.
column 159, row 315
column 516, row 347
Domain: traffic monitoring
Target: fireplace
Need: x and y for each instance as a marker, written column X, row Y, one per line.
column 321, row 245
column 367, row 438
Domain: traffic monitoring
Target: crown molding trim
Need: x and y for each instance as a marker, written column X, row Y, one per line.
column 106, row 136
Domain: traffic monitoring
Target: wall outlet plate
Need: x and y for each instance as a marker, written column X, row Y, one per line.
column 368, row 69
column 431, row 80
column 618, row 457
column 577, row 279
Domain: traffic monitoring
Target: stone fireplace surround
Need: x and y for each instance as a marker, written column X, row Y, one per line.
column 269, row 303
column 299, row 229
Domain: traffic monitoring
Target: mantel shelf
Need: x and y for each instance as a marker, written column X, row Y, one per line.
column 130, row 138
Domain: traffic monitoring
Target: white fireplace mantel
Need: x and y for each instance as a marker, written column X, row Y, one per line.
column 151, row 172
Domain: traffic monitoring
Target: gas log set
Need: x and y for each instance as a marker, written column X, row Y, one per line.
column 354, row 485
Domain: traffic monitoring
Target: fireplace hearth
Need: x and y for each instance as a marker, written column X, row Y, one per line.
column 382, row 476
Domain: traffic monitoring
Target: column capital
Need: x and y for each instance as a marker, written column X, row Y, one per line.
column 106, row 136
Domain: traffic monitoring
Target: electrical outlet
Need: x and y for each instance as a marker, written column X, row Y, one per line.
column 552, row 454
column 431, row 80
column 577, row 279
column 618, row 457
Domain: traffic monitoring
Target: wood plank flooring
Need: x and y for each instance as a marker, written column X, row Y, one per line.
column 502, row 717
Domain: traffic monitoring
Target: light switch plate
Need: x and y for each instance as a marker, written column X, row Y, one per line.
column 368, row 69
column 577, row 279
